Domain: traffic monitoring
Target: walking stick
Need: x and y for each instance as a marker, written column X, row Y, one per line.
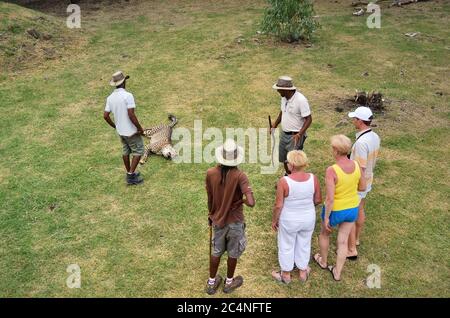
column 272, row 131
column 295, row 143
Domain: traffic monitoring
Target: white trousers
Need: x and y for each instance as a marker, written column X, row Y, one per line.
column 294, row 244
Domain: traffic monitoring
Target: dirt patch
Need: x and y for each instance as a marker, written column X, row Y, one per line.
column 374, row 101
column 399, row 116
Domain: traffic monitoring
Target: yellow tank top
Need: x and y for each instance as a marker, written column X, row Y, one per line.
column 346, row 192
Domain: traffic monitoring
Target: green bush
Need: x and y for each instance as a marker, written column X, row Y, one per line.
column 290, row 20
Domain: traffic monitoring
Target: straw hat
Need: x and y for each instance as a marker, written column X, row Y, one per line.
column 229, row 154
column 118, row 78
column 284, row 83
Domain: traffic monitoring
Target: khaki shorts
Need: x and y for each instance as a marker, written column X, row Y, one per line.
column 287, row 144
column 132, row 145
column 230, row 238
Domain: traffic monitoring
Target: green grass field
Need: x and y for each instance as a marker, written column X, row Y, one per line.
column 62, row 191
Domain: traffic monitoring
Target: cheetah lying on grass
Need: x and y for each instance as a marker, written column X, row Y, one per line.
column 160, row 140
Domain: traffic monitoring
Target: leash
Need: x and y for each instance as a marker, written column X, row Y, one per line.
column 272, row 133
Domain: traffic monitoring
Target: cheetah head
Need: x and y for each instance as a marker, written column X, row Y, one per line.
column 169, row 152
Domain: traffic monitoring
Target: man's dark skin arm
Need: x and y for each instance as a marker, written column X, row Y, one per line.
column 108, row 119
column 209, row 208
column 135, row 121
column 249, row 199
column 277, row 122
column 209, row 202
column 307, row 123
column 209, row 194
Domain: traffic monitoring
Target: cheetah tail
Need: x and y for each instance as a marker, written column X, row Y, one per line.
column 173, row 120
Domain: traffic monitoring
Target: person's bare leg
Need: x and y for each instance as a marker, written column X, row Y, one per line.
column 352, row 249
column 324, row 243
column 353, row 240
column 361, row 220
column 126, row 162
column 231, row 267
column 342, row 247
column 134, row 163
column 214, row 266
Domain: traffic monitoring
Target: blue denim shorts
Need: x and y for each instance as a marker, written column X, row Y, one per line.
column 338, row 217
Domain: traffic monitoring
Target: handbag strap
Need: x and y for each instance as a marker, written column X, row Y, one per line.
column 367, row 131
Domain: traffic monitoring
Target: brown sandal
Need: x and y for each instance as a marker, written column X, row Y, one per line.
column 317, row 259
column 308, row 271
column 279, row 277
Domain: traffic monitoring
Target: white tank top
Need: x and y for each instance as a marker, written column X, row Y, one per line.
column 299, row 204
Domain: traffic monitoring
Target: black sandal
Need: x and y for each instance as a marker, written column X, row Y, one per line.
column 331, row 269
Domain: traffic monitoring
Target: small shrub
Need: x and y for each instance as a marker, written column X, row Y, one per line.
column 290, row 20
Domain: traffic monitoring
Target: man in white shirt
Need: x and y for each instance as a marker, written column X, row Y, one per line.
column 121, row 104
column 295, row 118
column 365, row 151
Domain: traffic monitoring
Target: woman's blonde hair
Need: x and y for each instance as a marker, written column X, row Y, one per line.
column 341, row 144
column 298, row 159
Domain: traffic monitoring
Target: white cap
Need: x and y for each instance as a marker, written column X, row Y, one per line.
column 363, row 113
